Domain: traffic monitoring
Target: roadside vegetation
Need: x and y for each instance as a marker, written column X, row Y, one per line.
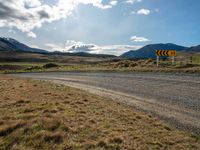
column 144, row 65
column 41, row 115
column 42, row 63
column 33, row 62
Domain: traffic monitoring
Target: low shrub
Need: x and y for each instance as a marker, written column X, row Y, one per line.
column 50, row 65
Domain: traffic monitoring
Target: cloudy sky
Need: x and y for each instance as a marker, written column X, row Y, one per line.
column 100, row 26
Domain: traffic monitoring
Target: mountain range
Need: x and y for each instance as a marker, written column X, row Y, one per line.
column 9, row 44
column 194, row 49
column 12, row 45
column 148, row 51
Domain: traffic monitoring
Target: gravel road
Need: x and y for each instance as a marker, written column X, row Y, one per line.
column 173, row 98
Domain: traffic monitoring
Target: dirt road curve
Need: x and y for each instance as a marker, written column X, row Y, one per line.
column 174, row 98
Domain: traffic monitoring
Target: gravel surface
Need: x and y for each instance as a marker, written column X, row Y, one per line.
column 174, row 98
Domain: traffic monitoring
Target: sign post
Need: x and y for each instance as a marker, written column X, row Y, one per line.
column 157, row 61
column 171, row 53
column 173, row 60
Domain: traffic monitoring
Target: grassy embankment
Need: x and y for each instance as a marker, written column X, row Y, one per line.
column 42, row 115
column 147, row 65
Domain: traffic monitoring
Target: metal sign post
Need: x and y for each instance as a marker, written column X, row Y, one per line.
column 157, row 61
column 173, row 60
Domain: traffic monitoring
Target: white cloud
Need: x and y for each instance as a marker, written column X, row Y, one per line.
column 115, row 49
column 34, row 46
column 55, row 47
column 76, row 46
column 27, row 15
column 132, row 1
column 70, row 46
column 12, row 31
column 113, row 3
column 31, row 34
column 32, row 3
column 139, row 39
column 143, row 12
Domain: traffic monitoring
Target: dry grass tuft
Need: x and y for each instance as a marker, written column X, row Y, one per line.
column 10, row 127
column 50, row 137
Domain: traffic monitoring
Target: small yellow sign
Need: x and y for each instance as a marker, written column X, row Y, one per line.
column 166, row 53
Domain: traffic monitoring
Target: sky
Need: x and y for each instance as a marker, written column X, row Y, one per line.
column 100, row 26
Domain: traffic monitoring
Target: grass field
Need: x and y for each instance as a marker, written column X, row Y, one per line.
column 148, row 65
column 196, row 59
column 32, row 62
column 41, row 115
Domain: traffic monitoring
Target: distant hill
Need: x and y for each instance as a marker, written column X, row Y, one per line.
column 148, row 51
column 83, row 54
column 193, row 49
column 12, row 45
column 9, row 44
column 5, row 45
column 71, row 58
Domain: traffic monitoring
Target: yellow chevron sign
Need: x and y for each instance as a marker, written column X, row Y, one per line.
column 166, row 53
